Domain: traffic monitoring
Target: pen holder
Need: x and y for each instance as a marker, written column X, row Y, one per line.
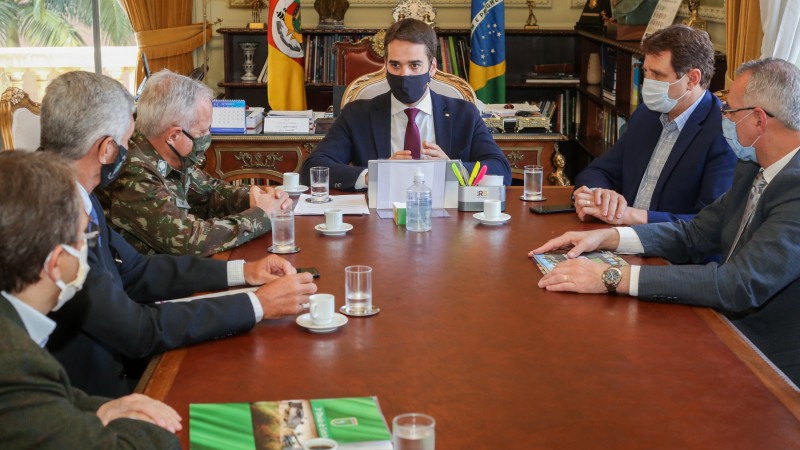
column 471, row 198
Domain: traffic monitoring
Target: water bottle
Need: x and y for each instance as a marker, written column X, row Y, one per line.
column 418, row 205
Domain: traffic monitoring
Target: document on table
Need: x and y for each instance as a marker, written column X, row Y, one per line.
column 349, row 204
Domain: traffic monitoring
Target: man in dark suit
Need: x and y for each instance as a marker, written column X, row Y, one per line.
column 87, row 118
column 755, row 227
column 439, row 127
column 42, row 264
column 673, row 160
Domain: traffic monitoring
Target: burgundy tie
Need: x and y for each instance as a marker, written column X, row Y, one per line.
column 413, row 142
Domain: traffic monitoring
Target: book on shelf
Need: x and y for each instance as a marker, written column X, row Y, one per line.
column 546, row 262
column 354, row 423
column 262, row 77
column 637, row 78
column 609, row 64
column 552, row 79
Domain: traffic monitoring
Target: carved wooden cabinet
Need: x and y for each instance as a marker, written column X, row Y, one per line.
column 262, row 159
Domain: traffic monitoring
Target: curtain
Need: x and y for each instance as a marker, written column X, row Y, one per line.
column 779, row 20
column 165, row 33
column 743, row 33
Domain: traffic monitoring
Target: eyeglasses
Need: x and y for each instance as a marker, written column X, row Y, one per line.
column 726, row 110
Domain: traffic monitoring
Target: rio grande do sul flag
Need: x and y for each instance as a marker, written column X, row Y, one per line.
column 487, row 55
column 285, row 77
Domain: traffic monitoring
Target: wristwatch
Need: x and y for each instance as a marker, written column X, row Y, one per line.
column 611, row 278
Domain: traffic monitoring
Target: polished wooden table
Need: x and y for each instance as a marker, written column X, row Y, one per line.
column 464, row 334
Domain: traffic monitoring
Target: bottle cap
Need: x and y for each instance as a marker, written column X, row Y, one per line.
column 419, row 176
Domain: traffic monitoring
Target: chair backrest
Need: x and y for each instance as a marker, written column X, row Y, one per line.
column 374, row 84
column 20, row 125
column 354, row 59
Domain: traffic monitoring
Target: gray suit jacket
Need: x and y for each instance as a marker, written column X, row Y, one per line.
column 758, row 289
column 40, row 409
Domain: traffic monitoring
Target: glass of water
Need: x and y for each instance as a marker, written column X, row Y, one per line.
column 319, row 184
column 533, row 182
column 413, row 431
column 283, row 232
column 358, row 289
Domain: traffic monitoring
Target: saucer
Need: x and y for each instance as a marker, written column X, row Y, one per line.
column 312, row 200
column 294, row 249
column 294, row 192
column 503, row 218
column 540, row 199
column 365, row 313
column 337, row 232
column 304, row 320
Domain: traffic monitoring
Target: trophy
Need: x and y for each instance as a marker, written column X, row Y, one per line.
column 249, row 49
column 532, row 23
column 694, row 19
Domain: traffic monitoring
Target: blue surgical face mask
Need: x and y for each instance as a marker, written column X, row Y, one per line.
column 655, row 95
column 742, row 152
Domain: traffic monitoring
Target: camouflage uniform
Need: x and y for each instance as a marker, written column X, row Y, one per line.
column 150, row 206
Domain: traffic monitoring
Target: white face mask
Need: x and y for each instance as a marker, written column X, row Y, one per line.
column 655, row 95
column 68, row 290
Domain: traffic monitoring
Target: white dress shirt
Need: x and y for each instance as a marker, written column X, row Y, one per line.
column 38, row 326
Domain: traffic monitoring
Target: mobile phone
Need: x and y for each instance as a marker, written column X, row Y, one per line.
column 550, row 209
column 312, row 270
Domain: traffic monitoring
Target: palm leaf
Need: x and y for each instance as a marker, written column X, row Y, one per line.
column 47, row 29
column 9, row 10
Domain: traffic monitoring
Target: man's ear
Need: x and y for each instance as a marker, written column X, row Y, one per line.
column 433, row 66
column 107, row 150
column 695, row 76
column 50, row 268
column 173, row 134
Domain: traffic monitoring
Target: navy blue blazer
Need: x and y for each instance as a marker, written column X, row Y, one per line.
column 699, row 168
column 113, row 317
column 363, row 133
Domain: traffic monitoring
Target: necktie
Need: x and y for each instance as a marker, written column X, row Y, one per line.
column 759, row 183
column 412, row 141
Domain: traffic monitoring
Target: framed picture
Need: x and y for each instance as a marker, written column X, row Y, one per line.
column 240, row 3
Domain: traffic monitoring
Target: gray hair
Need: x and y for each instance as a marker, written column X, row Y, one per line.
column 36, row 216
column 79, row 108
column 169, row 99
column 774, row 86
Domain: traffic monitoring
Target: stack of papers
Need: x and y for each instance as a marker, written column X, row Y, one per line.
column 301, row 122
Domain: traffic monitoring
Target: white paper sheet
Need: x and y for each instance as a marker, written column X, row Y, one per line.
column 349, row 204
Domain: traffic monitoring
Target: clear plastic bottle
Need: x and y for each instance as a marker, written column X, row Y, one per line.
column 419, row 203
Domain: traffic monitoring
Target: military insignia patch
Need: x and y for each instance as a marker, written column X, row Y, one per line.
column 162, row 167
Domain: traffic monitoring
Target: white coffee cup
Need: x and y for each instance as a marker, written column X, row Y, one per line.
column 491, row 180
column 491, row 209
column 333, row 219
column 291, row 180
column 320, row 444
column 321, row 308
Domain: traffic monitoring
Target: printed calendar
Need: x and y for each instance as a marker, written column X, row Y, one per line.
column 228, row 117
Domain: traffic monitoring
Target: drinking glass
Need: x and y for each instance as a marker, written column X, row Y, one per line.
column 319, row 184
column 533, row 182
column 413, row 431
column 358, row 289
column 283, row 231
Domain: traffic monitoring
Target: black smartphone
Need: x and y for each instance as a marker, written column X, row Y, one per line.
column 551, row 209
column 312, row 270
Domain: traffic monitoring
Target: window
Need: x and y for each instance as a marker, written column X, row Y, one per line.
column 42, row 39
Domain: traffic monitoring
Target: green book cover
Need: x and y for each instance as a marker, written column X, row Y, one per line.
column 286, row 424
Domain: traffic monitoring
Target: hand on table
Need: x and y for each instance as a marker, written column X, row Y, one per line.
column 581, row 242
column 267, row 269
column 606, row 205
column 271, row 200
column 576, row 275
column 286, row 295
column 140, row 407
column 428, row 151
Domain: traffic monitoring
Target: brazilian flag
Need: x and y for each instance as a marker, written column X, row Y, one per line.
column 487, row 65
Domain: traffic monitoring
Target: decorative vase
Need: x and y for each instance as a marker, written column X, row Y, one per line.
column 593, row 70
column 249, row 49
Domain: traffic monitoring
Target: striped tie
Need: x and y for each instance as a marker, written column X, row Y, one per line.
column 759, row 183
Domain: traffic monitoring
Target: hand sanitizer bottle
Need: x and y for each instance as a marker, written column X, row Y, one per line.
column 418, row 205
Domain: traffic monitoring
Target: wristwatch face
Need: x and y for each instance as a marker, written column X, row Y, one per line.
column 611, row 278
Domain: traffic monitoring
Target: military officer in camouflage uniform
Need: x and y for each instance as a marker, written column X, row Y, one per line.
column 161, row 202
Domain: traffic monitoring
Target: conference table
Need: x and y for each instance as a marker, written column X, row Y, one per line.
column 464, row 334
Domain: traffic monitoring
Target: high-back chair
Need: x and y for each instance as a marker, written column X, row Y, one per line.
column 20, row 125
column 354, row 59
